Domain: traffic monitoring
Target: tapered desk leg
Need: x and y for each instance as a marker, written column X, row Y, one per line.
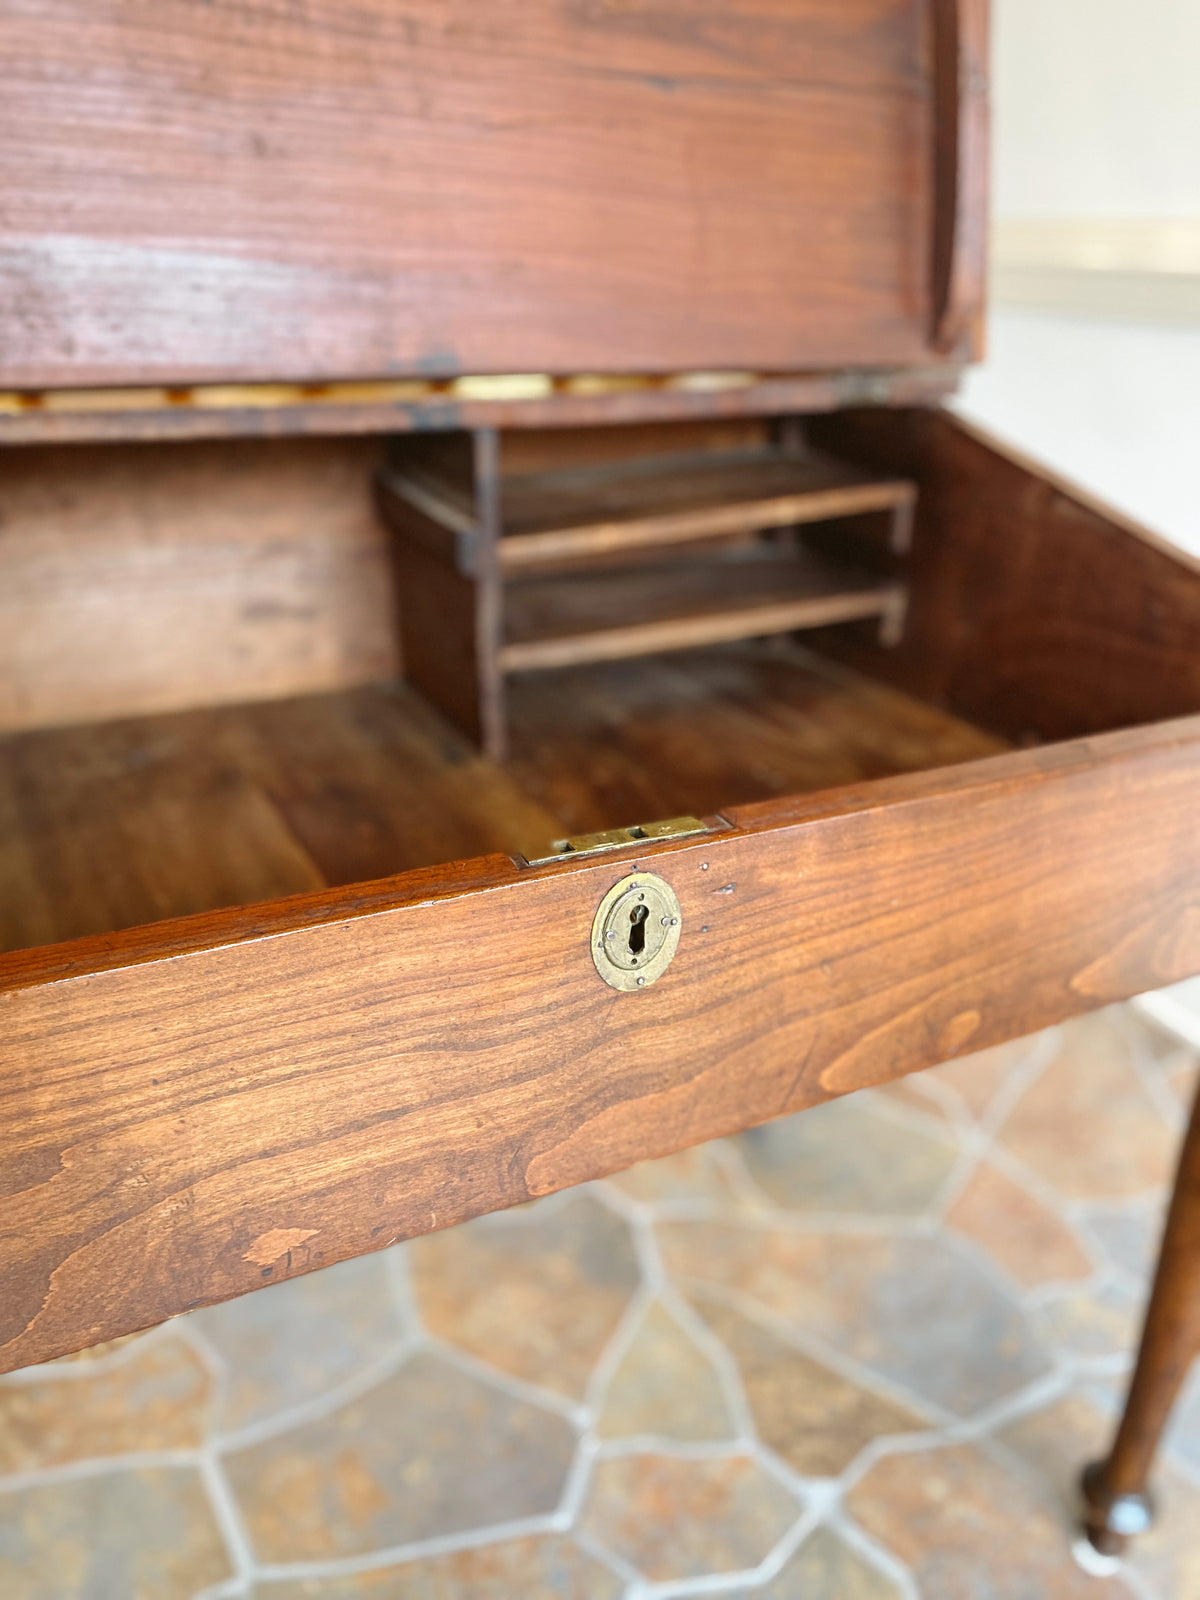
column 1115, row 1491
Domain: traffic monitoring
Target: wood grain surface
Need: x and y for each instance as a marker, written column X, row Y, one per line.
column 254, row 191
column 305, row 1081
column 108, row 825
column 136, row 579
column 1036, row 610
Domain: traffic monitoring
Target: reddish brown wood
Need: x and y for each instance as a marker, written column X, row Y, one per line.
column 222, row 192
column 309, row 1080
column 960, row 58
column 1116, row 1490
column 1036, row 610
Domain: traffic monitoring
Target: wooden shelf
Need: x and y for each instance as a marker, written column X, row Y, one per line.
column 525, row 555
column 555, row 622
column 585, row 512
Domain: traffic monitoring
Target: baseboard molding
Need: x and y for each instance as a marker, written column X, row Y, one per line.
column 1143, row 271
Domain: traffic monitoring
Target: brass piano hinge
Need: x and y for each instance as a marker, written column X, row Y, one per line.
column 591, row 844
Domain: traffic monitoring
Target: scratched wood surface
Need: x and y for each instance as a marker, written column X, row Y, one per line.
column 254, row 191
column 309, row 1080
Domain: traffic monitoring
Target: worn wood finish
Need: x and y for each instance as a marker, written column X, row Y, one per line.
column 257, row 192
column 1036, row 610
column 664, row 736
column 306, row 1081
column 135, row 580
column 1116, row 1489
column 109, row 825
column 556, row 622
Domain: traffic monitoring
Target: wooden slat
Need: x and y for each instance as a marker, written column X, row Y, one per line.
column 310, row 1080
column 601, row 616
column 271, row 192
column 554, row 516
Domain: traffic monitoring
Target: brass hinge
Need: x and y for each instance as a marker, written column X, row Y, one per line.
column 592, row 844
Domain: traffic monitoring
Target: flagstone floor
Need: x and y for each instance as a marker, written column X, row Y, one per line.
column 859, row 1354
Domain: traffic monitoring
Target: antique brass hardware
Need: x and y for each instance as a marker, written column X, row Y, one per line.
column 635, row 931
column 590, row 844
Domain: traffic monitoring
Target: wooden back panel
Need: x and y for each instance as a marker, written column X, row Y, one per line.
column 141, row 578
column 250, row 190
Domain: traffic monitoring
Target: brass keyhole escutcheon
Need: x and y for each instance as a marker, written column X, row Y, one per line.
column 635, row 931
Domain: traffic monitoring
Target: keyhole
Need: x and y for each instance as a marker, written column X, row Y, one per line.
column 637, row 930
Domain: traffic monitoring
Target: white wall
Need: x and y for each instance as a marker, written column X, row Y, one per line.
column 1097, row 108
column 1096, row 118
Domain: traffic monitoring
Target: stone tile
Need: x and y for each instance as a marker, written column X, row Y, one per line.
column 1027, row 1239
column 97, row 1352
column 550, row 1568
column 538, row 1294
column 970, row 1530
column 826, row 1568
column 1088, row 1125
column 1128, row 1237
column 664, row 1385
column 816, row 1420
column 1168, row 1556
column 848, row 1156
column 695, row 1174
column 1183, row 1432
column 978, row 1078
column 156, row 1399
column 121, row 1535
column 426, row 1452
column 296, row 1340
column 1184, row 1079
column 674, row 1519
column 921, row 1311
column 917, row 1093
column 1095, row 1322
column 1055, row 1444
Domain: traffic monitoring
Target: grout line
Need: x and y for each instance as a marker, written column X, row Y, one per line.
column 446, row 1544
column 720, row 1358
column 1168, row 1012
column 615, row 1562
column 60, row 1371
column 228, row 1517
column 402, row 1291
column 872, row 1551
column 96, row 1467
column 827, row 1355
column 359, row 1382
column 519, row 1389
column 1154, row 1081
